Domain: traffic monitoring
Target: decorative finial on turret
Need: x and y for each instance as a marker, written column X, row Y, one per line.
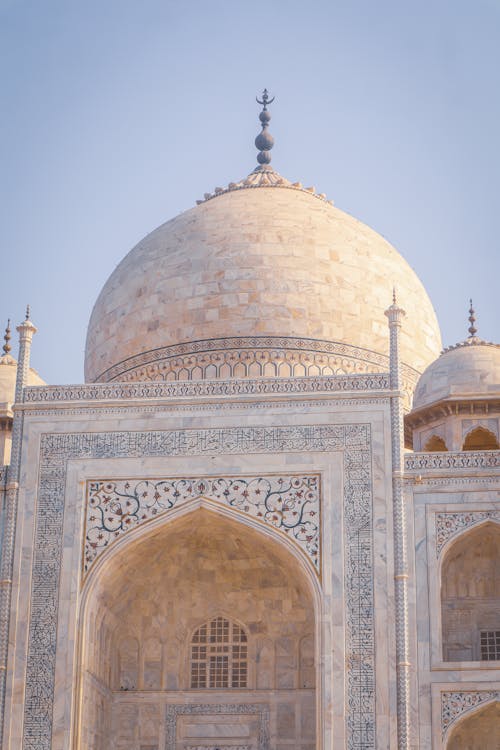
column 28, row 312
column 7, row 347
column 264, row 141
column 472, row 320
column 394, row 301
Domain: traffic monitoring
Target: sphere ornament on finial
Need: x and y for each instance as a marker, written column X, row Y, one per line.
column 7, row 347
column 472, row 320
column 264, row 141
column 28, row 312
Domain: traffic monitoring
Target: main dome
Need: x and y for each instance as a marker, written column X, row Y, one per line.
column 264, row 278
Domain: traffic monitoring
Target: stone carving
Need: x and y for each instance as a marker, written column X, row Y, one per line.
column 450, row 524
column 288, row 503
column 449, row 460
column 247, row 357
column 205, row 388
column 58, row 448
column 209, row 709
column 457, row 702
column 262, row 177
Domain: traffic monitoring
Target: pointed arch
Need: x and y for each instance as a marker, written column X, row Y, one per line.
column 470, row 592
column 477, row 729
column 435, row 444
column 480, row 439
column 206, row 567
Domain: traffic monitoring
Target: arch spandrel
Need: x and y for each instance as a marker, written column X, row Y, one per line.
column 452, row 525
column 287, row 505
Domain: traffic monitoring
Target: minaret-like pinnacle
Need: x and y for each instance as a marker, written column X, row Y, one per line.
column 472, row 320
column 264, row 141
column 7, row 347
column 28, row 312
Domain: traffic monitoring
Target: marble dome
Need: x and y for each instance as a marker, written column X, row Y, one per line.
column 470, row 369
column 257, row 279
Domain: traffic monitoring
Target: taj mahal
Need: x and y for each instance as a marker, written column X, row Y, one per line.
column 270, row 517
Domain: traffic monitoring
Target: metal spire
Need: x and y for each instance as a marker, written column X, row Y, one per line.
column 7, row 347
column 28, row 312
column 264, row 141
column 472, row 320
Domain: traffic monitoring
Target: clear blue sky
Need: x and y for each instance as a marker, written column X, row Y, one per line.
column 118, row 114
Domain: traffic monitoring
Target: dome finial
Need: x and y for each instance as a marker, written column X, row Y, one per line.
column 264, row 141
column 472, row 320
column 7, row 347
column 28, row 312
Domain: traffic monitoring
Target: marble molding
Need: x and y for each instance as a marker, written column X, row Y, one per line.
column 56, row 450
column 211, row 709
column 206, row 388
column 445, row 460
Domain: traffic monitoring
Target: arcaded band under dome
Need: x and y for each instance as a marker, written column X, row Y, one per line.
column 259, row 279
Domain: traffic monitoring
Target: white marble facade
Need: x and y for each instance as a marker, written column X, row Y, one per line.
column 340, row 441
column 220, row 543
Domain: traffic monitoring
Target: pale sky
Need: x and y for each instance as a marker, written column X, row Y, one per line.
column 117, row 115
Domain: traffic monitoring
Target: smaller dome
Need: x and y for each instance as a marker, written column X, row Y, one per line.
column 8, row 371
column 470, row 369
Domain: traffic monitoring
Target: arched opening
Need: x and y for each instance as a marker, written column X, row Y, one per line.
column 478, row 731
column 203, row 611
column 470, row 596
column 480, row 439
column 435, row 443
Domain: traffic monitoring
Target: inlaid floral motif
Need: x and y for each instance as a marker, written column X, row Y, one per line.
column 455, row 703
column 288, row 503
column 451, row 524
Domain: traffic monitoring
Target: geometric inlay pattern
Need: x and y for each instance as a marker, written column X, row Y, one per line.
column 289, row 503
column 57, row 449
column 214, row 709
column 457, row 702
column 449, row 525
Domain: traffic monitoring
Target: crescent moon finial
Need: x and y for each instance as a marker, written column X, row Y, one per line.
column 264, row 141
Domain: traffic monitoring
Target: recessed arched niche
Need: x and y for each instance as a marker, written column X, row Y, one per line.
column 202, row 611
column 480, row 439
column 470, row 596
column 434, row 444
column 477, row 731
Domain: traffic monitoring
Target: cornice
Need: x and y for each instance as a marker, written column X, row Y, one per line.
column 131, row 393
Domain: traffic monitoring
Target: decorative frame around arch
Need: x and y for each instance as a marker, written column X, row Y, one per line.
column 57, row 449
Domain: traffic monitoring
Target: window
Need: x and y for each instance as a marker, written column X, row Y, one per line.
column 490, row 645
column 219, row 652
